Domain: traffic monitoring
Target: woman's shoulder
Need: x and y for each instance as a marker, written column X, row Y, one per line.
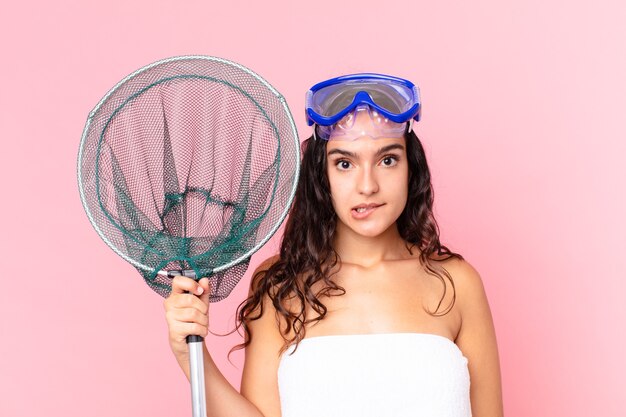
column 289, row 302
column 263, row 293
column 467, row 281
column 257, row 275
column 263, row 303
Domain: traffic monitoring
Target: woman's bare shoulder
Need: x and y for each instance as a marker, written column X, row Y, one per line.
column 466, row 278
column 263, row 266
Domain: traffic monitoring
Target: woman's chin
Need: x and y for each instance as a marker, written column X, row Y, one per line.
column 370, row 231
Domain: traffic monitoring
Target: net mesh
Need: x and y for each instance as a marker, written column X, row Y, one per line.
column 189, row 165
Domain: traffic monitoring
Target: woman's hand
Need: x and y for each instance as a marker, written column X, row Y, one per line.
column 186, row 314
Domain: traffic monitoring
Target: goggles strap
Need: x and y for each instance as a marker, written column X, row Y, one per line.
column 315, row 131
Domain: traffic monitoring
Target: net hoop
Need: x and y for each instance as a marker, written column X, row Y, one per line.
column 123, row 82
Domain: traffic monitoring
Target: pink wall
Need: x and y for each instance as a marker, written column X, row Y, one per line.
column 523, row 124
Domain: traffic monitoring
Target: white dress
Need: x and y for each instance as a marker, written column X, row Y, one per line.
column 374, row 375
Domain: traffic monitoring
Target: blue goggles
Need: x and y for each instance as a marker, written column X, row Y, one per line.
column 395, row 98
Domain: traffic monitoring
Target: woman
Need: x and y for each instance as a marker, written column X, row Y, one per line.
column 361, row 273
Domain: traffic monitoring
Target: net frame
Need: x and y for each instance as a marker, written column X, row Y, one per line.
column 148, row 67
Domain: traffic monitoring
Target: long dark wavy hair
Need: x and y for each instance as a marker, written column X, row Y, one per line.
column 307, row 256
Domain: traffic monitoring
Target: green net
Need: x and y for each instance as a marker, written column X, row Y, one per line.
column 188, row 166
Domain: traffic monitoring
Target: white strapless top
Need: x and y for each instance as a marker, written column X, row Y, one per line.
column 374, row 375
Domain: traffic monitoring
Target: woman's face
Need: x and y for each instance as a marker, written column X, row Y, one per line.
column 368, row 172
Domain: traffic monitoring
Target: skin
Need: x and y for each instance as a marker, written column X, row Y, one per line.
column 387, row 290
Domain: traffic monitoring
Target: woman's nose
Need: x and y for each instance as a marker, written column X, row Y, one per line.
column 367, row 183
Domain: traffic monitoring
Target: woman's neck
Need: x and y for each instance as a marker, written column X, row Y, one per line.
column 368, row 251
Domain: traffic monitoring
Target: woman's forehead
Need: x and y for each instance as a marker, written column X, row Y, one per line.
column 366, row 145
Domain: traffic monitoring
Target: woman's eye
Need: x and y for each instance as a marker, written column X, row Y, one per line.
column 343, row 164
column 390, row 161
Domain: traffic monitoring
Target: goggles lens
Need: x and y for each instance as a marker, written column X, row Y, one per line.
column 330, row 100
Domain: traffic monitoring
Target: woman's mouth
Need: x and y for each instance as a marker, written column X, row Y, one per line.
column 364, row 211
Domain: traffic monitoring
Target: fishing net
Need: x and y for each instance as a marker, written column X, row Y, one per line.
column 187, row 167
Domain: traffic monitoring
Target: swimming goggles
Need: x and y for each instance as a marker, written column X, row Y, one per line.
column 333, row 105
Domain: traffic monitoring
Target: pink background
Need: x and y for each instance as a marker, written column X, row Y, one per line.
column 523, row 126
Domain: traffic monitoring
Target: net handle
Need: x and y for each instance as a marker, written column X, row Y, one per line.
column 196, row 371
column 196, row 360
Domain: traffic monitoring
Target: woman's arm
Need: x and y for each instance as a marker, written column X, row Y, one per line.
column 477, row 341
column 259, row 381
column 222, row 398
column 187, row 314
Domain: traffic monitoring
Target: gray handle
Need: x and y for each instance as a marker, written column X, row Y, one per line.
column 196, row 369
column 196, row 361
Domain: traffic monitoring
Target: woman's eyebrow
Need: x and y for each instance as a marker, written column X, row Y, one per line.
column 354, row 155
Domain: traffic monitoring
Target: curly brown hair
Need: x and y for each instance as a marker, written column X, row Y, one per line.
column 307, row 256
